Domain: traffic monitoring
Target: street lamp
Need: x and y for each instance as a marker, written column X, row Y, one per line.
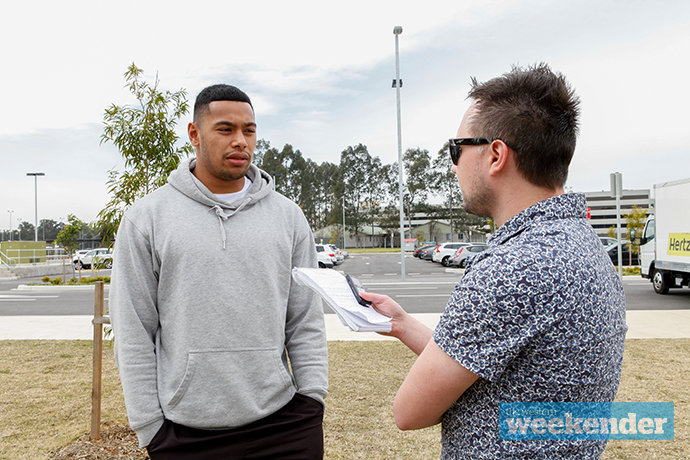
column 397, row 84
column 10, row 223
column 36, row 201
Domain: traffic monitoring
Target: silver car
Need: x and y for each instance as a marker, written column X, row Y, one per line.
column 460, row 257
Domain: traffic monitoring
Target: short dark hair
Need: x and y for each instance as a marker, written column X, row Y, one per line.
column 535, row 112
column 220, row 92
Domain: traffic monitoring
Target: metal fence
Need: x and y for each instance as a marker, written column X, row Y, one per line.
column 17, row 257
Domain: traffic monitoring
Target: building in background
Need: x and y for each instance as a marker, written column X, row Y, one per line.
column 603, row 208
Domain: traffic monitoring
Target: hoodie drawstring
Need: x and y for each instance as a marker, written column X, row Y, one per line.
column 223, row 217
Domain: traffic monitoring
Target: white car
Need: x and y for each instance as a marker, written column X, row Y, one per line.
column 330, row 253
column 445, row 251
column 339, row 254
column 100, row 257
column 324, row 260
column 78, row 255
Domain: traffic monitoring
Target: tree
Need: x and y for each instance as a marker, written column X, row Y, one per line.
column 417, row 163
column 612, row 232
column 262, row 146
column 26, row 231
column 146, row 139
column 355, row 164
column 445, row 184
column 48, row 229
column 328, row 209
column 68, row 236
column 635, row 221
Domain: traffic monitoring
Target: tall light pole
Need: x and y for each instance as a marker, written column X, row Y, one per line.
column 10, row 223
column 36, row 201
column 397, row 84
column 344, row 218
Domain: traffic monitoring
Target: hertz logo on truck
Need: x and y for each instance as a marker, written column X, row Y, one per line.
column 679, row 244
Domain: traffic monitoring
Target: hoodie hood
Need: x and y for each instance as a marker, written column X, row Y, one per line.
column 186, row 183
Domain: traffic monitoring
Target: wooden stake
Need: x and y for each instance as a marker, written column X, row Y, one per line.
column 97, row 362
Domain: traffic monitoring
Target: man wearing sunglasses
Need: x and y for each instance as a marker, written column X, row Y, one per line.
column 540, row 315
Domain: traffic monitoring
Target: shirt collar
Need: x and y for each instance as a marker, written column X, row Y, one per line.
column 570, row 205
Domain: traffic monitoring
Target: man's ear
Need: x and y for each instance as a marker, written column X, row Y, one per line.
column 499, row 154
column 193, row 132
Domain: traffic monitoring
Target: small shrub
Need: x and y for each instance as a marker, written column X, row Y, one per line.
column 57, row 280
column 46, row 279
column 629, row 271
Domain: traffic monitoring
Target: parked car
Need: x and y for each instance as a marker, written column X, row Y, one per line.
column 613, row 254
column 459, row 259
column 326, row 249
column 607, row 241
column 444, row 252
column 97, row 257
column 428, row 253
column 325, row 260
column 418, row 252
column 340, row 255
column 78, row 255
column 103, row 261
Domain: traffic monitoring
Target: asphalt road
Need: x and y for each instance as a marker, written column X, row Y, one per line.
column 426, row 289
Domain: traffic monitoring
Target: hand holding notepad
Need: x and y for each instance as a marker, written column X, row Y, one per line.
column 335, row 290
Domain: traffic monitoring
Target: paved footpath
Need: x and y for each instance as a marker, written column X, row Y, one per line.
column 656, row 324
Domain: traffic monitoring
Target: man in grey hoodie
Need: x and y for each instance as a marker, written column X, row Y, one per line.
column 204, row 309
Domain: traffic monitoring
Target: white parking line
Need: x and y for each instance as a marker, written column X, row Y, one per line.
column 23, row 297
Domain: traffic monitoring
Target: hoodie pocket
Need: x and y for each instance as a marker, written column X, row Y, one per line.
column 223, row 388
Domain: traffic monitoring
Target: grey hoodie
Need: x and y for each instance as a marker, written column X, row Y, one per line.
column 204, row 309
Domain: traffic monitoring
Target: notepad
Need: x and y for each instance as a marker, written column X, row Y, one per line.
column 334, row 289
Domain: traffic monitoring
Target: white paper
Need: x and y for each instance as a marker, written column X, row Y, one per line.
column 334, row 289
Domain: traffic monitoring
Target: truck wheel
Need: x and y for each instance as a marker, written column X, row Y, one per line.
column 660, row 282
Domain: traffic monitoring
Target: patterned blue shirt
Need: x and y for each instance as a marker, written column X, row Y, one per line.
column 539, row 316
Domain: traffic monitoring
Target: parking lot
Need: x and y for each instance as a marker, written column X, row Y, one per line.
column 426, row 289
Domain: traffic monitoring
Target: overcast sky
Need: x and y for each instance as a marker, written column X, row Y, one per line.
column 319, row 75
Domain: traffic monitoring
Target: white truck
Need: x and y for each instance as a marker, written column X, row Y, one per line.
column 665, row 242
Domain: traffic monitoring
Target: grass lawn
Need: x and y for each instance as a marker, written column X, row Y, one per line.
column 45, row 401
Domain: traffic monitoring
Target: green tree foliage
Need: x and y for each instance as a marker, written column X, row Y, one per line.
column 444, row 183
column 48, row 229
column 355, row 164
column 328, row 206
column 26, row 231
column 418, row 175
column 635, row 220
column 301, row 179
column 68, row 236
column 145, row 136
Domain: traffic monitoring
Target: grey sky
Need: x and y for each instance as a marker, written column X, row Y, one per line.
column 320, row 73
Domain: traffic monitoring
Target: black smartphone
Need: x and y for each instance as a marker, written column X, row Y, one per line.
column 356, row 286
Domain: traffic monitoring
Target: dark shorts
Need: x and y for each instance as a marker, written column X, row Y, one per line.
column 294, row 432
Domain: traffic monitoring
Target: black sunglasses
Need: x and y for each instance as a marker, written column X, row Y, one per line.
column 454, row 146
